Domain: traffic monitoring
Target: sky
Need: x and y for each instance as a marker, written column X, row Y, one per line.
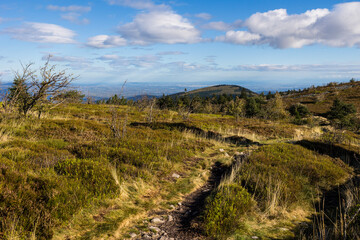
column 258, row 44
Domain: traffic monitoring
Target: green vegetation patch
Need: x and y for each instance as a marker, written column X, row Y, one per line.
column 93, row 175
column 284, row 174
column 225, row 210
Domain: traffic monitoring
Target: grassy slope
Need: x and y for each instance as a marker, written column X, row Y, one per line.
column 69, row 176
column 320, row 99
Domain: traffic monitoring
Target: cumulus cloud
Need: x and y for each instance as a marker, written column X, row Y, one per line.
column 71, row 8
column 339, row 27
column 159, row 27
column 42, row 33
column 106, row 41
column 205, row 16
column 157, row 23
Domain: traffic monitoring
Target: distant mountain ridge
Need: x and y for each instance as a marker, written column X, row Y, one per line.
column 216, row 90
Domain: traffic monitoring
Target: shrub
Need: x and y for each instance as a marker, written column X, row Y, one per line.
column 225, row 209
column 252, row 107
column 275, row 108
column 340, row 110
column 299, row 110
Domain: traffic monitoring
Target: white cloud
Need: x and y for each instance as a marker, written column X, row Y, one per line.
column 239, row 37
column 42, row 33
column 339, row 27
column 219, row 26
column 157, row 23
column 106, row 41
column 71, row 8
column 138, row 4
column 286, row 31
column 205, row 16
column 75, row 18
column 160, row 27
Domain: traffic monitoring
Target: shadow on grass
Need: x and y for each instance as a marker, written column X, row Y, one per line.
column 238, row 141
column 332, row 218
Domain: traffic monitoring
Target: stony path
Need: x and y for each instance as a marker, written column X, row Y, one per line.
column 183, row 222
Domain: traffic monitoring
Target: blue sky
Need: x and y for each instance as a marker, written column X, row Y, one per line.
column 258, row 44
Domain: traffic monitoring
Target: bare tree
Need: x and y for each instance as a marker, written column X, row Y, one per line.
column 30, row 90
column 118, row 126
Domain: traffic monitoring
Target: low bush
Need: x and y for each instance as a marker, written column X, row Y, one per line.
column 33, row 204
column 224, row 210
column 93, row 175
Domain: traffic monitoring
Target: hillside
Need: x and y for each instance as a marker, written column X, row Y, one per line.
column 216, row 90
column 319, row 99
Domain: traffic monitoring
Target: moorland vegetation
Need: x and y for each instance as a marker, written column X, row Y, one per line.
column 70, row 170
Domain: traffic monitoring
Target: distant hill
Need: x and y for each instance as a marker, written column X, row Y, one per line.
column 216, row 90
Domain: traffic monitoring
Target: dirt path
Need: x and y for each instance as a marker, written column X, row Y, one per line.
column 184, row 222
